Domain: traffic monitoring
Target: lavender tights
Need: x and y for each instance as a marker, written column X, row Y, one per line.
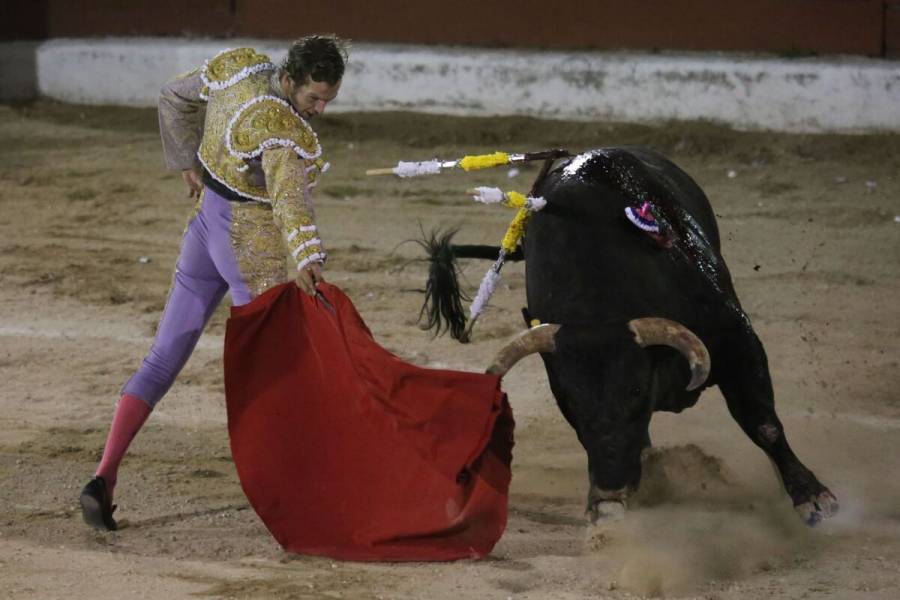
column 205, row 270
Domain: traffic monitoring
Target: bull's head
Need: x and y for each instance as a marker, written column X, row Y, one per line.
column 607, row 381
column 649, row 331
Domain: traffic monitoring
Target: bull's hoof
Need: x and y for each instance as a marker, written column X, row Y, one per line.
column 818, row 507
column 606, row 511
column 606, row 526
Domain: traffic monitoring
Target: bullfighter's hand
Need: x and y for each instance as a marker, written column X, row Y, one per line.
column 308, row 277
column 194, row 181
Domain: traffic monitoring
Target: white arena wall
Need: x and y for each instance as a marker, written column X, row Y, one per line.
column 844, row 94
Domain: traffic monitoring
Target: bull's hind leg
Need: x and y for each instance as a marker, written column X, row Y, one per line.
column 745, row 383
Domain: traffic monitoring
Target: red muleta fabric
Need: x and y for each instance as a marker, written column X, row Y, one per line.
column 346, row 451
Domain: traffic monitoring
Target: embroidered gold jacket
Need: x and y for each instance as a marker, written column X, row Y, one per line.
column 232, row 117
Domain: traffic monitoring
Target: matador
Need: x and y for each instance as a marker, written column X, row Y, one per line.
column 238, row 130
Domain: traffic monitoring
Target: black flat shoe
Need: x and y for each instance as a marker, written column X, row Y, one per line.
column 96, row 507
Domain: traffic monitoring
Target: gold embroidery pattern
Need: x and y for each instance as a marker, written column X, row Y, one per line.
column 230, row 64
column 258, row 246
column 247, row 115
column 291, row 205
column 315, row 168
column 214, row 154
column 267, row 122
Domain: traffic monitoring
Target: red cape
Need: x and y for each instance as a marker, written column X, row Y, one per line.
column 345, row 450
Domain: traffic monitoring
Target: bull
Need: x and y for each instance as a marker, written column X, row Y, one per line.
column 633, row 321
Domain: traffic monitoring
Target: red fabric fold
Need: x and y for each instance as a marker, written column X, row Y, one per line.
column 346, row 451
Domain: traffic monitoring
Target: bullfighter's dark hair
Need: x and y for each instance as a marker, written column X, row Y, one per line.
column 316, row 58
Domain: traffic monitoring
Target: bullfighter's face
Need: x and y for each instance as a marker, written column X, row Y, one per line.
column 310, row 98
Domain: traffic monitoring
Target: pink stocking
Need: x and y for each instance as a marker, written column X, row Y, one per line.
column 131, row 412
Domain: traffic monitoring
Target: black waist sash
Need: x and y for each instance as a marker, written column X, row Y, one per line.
column 223, row 190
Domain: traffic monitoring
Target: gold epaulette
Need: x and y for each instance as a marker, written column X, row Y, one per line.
column 266, row 122
column 231, row 66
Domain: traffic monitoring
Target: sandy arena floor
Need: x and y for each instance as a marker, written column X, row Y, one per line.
column 90, row 226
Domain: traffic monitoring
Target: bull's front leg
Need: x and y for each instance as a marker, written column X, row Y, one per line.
column 747, row 388
column 613, row 443
column 601, row 380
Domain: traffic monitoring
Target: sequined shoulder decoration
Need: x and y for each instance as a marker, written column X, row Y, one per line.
column 266, row 122
column 231, row 66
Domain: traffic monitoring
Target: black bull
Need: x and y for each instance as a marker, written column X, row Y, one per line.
column 624, row 309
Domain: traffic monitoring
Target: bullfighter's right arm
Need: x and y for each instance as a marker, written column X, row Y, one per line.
column 182, row 110
column 268, row 128
column 289, row 182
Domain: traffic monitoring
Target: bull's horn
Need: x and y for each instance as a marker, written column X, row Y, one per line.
column 536, row 339
column 654, row 331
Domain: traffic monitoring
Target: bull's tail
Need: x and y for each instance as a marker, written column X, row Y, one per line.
column 443, row 309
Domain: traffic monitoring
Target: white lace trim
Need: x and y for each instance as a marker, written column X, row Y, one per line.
column 305, row 245
column 314, row 166
column 303, row 229
column 317, row 257
column 271, row 142
column 206, row 62
column 242, row 74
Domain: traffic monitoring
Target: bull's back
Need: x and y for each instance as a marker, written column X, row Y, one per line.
column 586, row 261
